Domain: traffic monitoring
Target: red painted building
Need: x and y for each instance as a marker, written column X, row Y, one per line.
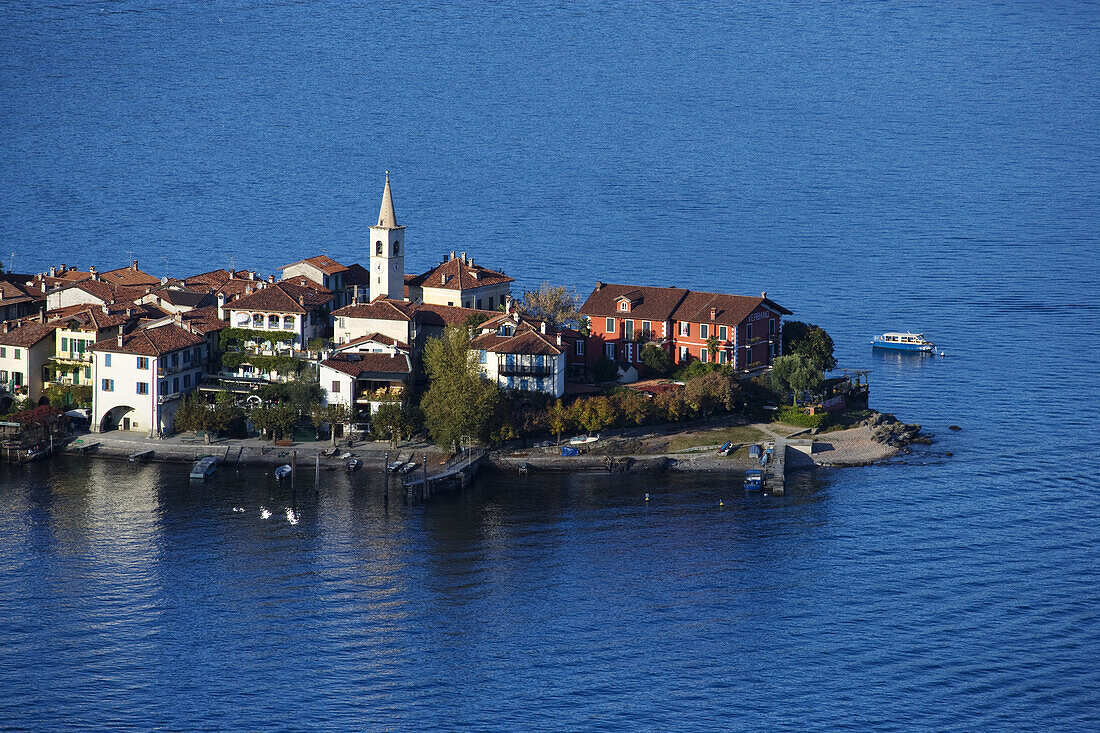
column 624, row 318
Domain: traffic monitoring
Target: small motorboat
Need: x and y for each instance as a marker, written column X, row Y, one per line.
column 283, row 471
column 754, row 480
column 902, row 342
column 584, row 439
column 726, row 448
column 204, row 467
column 754, row 451
column 352, row 465
column 409, row 467
column 396, row 466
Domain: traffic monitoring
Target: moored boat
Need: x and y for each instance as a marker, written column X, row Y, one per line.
column 204, row 467
column 902, row 341
column 283, row 471
column 353, row 465
column 754, row 480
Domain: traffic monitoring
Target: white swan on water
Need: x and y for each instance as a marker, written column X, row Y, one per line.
column 264, row 513
column 291, row 516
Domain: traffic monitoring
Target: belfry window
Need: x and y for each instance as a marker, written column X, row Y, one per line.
column 378, row 247
column 396, row 248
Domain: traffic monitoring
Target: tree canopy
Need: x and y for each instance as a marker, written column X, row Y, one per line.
column 796, row 374
column 657, row 359
column 555, row 304
column 811, row 342
column 459, row 401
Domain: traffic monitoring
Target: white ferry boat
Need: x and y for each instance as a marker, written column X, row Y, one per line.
column 902, row 342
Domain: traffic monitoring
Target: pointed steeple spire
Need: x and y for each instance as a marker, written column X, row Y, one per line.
column 386, row 217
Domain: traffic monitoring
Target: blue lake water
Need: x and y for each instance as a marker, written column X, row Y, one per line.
column 872, row 166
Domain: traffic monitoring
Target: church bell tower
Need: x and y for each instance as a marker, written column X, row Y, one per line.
column 387, row 252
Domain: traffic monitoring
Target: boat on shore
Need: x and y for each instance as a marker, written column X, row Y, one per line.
column 898, row 341
column 204, row 467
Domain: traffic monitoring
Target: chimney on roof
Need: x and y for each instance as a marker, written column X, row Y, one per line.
column 7, row 326
column 559, row 338
column 129, row 312
column 163, row 279
column 302, row 300
column 106, row 309
column 221, row 306
column 713, row 313
column 542, row 327
column 177, row 319
column 764, row 294
column 133, row 264
column 120, row 337
column 42, row 317
column 451, row 257
column 598, row 285
column 53, row 271
column 271, row 278
column 464, row 258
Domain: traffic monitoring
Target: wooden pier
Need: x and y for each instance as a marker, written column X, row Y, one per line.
column 461, row 468
column 775, row 472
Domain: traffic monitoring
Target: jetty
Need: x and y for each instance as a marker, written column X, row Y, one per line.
column 775, row 473
column 460, row 468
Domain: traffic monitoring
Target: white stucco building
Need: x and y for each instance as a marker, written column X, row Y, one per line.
column 140, row 378
column 521, row 353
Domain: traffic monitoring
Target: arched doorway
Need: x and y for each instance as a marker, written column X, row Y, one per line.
column 117, row 418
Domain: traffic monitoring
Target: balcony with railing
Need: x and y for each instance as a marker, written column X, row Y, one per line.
column 521, row 369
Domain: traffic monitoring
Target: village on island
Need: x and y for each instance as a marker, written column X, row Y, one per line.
column 336, row 352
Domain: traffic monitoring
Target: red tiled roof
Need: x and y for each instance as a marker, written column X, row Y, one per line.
column 357, row 365
column 650, row 303
column 673, row 304
column 27, row 335
column 129, row 276
column 12, row 293
column 324, row 263
column 356, row 275
column 204, row 320
column 458, row 274
column 524, row 342
column 285, row 296
column 151, row 341
column 379, row 308
column 379, row 338
column 730, row 310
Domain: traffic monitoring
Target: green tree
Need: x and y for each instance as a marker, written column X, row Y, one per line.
column 557, row 419
column 593, row 414
column 336, row 414
column 631, row 406
column 657, row 359
column 674, row 405
column 224, row 415
column 274, row 420
column 604, row 370
column 796, row 374
column 712, row 391
column 192, row 415
column 555, row 304
column 459, row 400
column 811, row 342
column 712, row 349
column 389, row 421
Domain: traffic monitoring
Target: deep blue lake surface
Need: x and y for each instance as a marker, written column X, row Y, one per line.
column 872, row 166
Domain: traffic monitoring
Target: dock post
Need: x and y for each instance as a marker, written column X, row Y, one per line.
column 386, row 479
column 427, row 486
column 317, row 470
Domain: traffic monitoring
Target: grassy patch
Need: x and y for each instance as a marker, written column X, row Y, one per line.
column 737, row 434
